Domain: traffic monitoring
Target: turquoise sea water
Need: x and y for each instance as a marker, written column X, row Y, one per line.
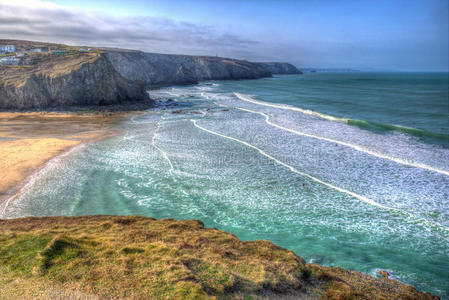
column 348, row 170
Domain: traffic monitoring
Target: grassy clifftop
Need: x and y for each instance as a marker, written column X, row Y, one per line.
column 107, row 257
column 46, row 64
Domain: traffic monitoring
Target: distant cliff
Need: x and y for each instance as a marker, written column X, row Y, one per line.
column 164, row 69
column 279, row 68
column 112, row 76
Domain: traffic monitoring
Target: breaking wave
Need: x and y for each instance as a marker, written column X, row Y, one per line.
column 354, row 122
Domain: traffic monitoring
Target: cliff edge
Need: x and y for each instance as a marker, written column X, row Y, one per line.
column 77, row 79
column 279, row 68
column 158, row 70
column 112, row 257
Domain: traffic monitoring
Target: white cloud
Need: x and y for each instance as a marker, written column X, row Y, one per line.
column 44, row 21
column 335, row 44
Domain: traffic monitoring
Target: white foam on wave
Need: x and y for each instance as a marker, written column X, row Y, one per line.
column 329, row 185
column 248, row 98
column 128, row 137
column 204, row 88
column 153, row 142
column 353, row 146
column 50, row 165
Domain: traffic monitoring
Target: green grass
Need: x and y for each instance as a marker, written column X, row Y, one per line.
column 20, row 252
column 143, row 258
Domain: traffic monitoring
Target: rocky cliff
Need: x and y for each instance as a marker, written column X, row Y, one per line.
column 106, row 257
column 280, row 68
column 164, row 69
column 82, row 79
column 111, row 76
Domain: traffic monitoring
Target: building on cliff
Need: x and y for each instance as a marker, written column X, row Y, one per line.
column 59, row 52
column 7, row 48
column 38, row 50
column 9, row 60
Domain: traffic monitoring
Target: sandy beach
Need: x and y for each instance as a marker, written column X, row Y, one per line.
column 29, row 139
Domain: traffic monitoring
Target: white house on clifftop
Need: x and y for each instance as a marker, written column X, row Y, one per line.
column 7, row 48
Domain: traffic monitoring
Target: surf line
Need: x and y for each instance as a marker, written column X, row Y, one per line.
column 355, row 147
column 127, row 137
column 293, row 170
column 153, row 142
column 36, row 175
column 292, row 108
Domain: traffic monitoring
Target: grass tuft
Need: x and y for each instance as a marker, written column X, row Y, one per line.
column 128, row 250
column 58, row 251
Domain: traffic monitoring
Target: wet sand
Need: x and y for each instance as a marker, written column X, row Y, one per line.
column 29, row 140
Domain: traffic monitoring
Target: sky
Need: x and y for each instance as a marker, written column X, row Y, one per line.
column 377, row 35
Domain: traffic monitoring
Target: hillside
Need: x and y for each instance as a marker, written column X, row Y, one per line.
column 280, row 68
column 103, row 257
column 75, row 79
column 44, row 75
column 164, row 69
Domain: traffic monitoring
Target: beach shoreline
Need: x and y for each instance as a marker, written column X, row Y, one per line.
column 31, row 140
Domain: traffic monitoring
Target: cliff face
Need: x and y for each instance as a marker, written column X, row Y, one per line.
column 163, row 69
column 108, row 76
column 280, row 68
column 77, row 80
column 110, row 257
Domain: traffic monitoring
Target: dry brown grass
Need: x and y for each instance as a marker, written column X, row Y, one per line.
column 338, row 284
column 143, row 258
column 48, row 65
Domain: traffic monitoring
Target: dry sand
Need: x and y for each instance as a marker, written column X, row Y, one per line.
column 29, row 140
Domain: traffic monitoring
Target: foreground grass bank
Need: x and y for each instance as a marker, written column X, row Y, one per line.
column 108, row 257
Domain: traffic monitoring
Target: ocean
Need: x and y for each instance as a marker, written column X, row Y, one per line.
column 344, row 169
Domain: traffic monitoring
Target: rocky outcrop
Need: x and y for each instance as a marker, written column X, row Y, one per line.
column 79, row 80
column 279, row 68
column 164, row 69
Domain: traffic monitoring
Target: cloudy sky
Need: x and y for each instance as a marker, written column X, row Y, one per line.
column 392, row 35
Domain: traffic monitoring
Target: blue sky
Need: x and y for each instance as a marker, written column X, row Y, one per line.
column 370, row 35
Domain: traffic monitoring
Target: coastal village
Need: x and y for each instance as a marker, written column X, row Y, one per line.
column 17, row 55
